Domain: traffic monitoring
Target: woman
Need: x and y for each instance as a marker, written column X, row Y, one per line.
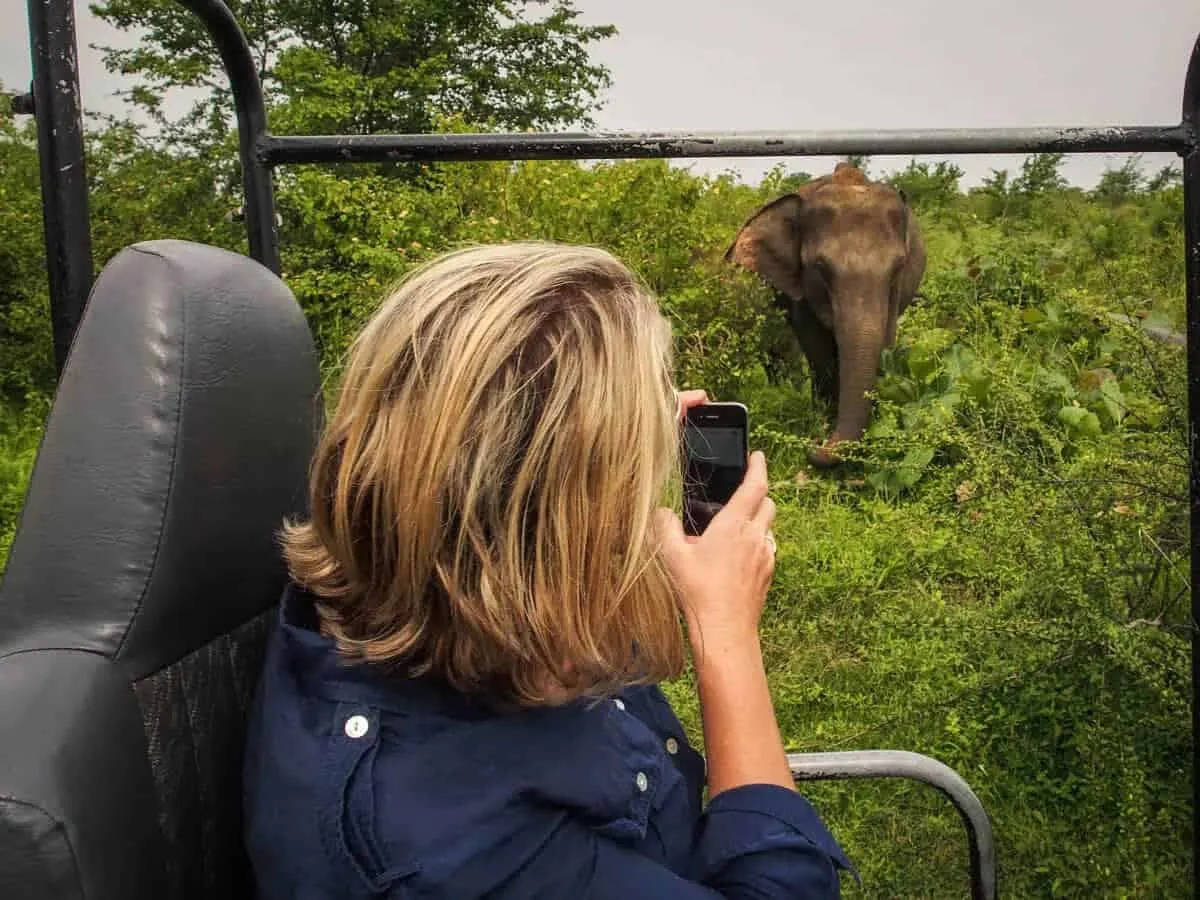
column 461, row 699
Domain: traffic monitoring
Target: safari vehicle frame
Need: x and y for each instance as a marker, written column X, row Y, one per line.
column 55, row 102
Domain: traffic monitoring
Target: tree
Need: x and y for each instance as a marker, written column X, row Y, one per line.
column 370, row 66
column 1041, row 173
column 925, row 185
column 1120, row 185
column 991, row 198
column 793, row 181
column 26, row 350
column 1165, row 178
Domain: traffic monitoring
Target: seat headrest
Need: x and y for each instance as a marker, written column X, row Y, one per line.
column 180, row 438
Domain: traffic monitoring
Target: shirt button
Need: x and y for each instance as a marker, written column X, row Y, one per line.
column 619, row 703
column 672, row 746
column 357, row 726
column 642, row 782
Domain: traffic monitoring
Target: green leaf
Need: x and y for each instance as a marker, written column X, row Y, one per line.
column 958, row 360
column 1114, row 400
column 977, row 385
column 924, row 354
column 909, row 472
column 897, row 389
column 882, row 427
column 1056, row 383
column 1080, row 420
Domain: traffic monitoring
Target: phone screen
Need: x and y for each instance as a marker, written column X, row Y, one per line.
column 714, row 466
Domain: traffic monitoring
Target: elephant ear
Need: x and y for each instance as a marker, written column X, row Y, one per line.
column 769, row 245
column 908, row 280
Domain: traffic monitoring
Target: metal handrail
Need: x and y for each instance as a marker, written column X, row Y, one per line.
column 274, row 150
column 926, row 769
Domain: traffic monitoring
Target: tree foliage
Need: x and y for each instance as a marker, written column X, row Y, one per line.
column 928, row 185
column 364, row 66
column 26, row 352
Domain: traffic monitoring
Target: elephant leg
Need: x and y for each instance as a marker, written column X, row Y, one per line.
column 820, row 349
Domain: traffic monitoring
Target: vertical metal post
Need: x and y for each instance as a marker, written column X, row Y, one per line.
column 66, row 220
column 231, row 44
column 1191, row 215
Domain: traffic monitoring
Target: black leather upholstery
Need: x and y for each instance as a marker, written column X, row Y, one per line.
column 143, row 579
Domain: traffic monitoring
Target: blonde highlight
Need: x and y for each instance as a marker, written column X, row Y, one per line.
column 482, row 497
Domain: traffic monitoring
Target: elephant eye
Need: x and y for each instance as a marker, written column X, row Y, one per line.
column 824, row 269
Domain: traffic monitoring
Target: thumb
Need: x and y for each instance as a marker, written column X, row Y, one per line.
column 670, row 532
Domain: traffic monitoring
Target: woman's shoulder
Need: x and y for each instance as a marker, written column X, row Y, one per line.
column 405, row 776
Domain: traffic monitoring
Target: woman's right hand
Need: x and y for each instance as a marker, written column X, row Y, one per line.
column 723, row 574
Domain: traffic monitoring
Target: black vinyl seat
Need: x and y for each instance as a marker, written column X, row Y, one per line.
column 144, row 577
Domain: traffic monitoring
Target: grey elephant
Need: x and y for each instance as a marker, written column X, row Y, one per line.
column 845, row 257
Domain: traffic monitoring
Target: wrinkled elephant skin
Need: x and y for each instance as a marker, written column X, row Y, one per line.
column 845, row 258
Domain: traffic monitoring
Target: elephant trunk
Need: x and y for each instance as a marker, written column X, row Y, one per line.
column 861, row 334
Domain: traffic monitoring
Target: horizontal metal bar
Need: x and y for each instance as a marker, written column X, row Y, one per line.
column 926, row 769
column 278, row 150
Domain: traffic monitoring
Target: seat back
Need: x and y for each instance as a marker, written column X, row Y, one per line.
column 144, row 576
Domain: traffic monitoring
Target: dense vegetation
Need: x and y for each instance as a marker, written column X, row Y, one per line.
column 998, row 578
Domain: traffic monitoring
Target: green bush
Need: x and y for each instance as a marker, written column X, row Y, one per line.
column 20, row 432
column 998, row 576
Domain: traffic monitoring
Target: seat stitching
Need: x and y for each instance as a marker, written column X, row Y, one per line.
column 59, row 827
column 171, row 473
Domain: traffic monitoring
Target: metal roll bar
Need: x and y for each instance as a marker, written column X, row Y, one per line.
column 903, row 764
column 275, row 151
column 55, row 102
column 66, row 219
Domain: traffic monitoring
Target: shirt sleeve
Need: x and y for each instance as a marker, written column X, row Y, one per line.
column 769, row 837
column 753, row 847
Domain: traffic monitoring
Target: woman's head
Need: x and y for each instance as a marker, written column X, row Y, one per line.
column 482, row 498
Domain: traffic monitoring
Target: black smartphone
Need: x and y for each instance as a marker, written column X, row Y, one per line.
column 715, row 454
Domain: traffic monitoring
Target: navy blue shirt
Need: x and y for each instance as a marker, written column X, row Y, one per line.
column 363, row 785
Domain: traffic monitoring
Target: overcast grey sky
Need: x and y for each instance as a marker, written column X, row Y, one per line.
column 783, row 64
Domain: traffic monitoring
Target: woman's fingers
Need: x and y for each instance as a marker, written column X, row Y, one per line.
column 764, row 518
column 751, row 493
column 688, row 399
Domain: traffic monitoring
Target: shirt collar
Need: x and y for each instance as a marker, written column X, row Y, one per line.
column 325, row 672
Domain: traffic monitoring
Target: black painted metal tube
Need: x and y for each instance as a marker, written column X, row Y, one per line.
column 248, row 101
column 278, row 150
column 66, row 216
column 1191, row 215
column 926, row 769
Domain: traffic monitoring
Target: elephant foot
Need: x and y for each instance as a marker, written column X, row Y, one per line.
column 824, row 457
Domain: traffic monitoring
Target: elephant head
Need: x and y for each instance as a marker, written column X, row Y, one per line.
column 844, row 256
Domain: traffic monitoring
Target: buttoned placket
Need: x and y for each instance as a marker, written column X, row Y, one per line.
column 356, row 733
column 671, row 744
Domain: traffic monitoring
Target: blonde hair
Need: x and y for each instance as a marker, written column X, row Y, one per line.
column 481, row 501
